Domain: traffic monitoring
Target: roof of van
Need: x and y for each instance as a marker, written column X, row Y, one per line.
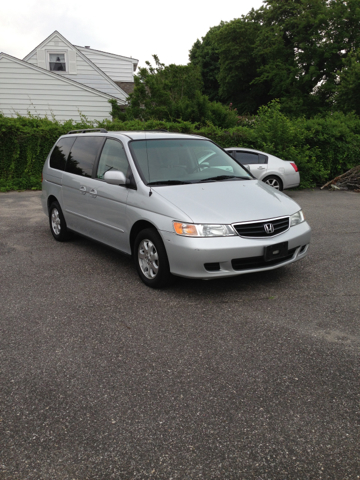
column 146, row 135
column 136, row 134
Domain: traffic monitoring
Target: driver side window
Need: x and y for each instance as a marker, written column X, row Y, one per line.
column 112, row 157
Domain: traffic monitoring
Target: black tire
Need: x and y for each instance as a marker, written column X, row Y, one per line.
column 151, row 260
column 274, row 182
column 57, row 223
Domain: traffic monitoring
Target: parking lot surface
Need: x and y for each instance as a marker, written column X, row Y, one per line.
column 253, row 377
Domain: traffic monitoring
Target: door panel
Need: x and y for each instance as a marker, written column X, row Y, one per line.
column 77, row 181
column 107, row 213
column 258, row 170
column 252, row 161
column 107, row 203
column 75, row 202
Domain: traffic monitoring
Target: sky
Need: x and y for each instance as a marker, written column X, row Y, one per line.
column 137, row 29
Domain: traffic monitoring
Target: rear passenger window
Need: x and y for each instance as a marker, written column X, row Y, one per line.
column 83, row 155
column 112, row 157
column 263, row 158
column 247, row 158
column 60, row 153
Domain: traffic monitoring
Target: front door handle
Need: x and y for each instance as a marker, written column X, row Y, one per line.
column 83, row 190
column 261, row 168
column 93, row 192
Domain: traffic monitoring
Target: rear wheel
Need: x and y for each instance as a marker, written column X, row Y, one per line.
column 57, row 223
column 151, row 259
column 274, row 182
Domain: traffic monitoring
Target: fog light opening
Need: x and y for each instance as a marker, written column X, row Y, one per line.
column 212, row 267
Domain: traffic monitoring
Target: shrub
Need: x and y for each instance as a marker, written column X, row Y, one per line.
column 322, row 147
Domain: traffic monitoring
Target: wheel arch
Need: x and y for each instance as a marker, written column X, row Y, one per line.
column 272, row 175
column 50, row 200
column 136, row 228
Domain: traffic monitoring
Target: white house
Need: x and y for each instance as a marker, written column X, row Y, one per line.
column 63, row 80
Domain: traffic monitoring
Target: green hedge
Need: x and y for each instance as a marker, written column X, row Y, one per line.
column 322, row 147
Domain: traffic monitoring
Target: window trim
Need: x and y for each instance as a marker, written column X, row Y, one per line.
column 52, row 151
column 129, row 178
column 96, row 160
column 58, row 52
column 254, row 153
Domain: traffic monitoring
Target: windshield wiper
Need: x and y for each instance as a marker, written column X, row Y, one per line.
column 223, row 177
column 168, row 182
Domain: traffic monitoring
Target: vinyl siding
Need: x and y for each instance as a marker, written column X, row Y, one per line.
column 33, row 59
column 85, row 72
column 118, row 69
column 57, row 42
column 87, row 75
column 24, row 90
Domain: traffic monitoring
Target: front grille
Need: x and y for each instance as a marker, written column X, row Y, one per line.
column 259, row 262
column 257, row 229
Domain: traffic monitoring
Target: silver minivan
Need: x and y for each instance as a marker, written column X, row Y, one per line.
column 179, row 204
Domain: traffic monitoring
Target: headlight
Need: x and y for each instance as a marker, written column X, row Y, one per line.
column 203, row 230
column 297, row 218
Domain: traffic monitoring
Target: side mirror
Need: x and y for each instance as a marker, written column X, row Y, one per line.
column 115, row 177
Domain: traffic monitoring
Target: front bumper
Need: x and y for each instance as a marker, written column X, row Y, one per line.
column 189, row 256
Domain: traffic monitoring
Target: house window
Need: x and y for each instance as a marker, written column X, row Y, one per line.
column 57, row 62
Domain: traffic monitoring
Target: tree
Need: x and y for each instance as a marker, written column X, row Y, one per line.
column 163, row 92
column 239, row 65
column 303, row 43
column 347, row 96
column 174, row 92
column 293, row 50
column 204, row 54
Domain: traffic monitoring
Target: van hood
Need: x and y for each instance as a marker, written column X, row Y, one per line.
column 228, row 201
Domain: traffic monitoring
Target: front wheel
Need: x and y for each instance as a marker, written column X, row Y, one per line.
column 151, row 259
column 274, row 182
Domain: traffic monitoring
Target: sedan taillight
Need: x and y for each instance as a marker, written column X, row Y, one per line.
column 294, row 166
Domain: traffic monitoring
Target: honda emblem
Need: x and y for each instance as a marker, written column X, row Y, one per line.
column 269, row 228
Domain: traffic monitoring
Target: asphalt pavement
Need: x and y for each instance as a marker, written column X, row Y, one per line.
column 253, row 377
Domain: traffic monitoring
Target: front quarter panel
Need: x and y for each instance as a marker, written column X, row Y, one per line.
column 145, row 204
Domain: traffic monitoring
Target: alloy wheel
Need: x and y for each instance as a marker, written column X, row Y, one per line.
column 148, row 259
column 55, row 221
column 273, row 183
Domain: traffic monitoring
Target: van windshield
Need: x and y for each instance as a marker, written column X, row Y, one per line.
column 179, row 161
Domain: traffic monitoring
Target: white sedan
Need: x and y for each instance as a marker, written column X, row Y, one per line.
column 277, row 173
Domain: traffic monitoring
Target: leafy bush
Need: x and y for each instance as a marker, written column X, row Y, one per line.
column 336, row 139
column 173, row 93
column 275, row 133
column 25, row 143
column 322, row 147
